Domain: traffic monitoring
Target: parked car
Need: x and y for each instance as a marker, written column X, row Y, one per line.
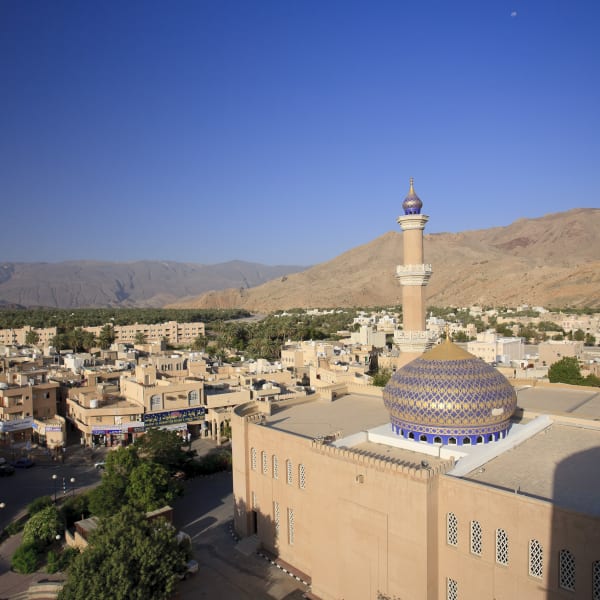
column 6, row 470
column 23, row 463
column 100, row 465
column 191, row 568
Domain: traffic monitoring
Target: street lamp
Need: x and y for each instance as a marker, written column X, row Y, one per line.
column 70, row 480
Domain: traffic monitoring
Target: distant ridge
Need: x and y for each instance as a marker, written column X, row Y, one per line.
column 553, row 260
column 79, row 284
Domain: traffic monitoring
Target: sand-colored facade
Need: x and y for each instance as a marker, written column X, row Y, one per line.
column 366, row 521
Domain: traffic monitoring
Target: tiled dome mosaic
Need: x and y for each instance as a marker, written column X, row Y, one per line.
column 449, row 396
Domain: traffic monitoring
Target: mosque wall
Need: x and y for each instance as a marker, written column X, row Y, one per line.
column 524, row 521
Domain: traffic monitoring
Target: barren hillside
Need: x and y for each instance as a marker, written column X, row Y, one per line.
column 552, row 261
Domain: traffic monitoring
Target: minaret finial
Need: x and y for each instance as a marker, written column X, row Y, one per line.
column 412, row 181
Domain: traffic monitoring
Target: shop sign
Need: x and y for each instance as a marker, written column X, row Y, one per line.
column 174, row 416
column 106, row 430
column 53, row 428
column 16, row 424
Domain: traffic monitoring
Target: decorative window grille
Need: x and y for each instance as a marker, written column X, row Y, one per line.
column 290, row 514
column 275, row 467
column 566, row 578
column 451, row 589
column 536, row 559
column 254, row 500
column 265, row 466
column 276, row 518
column 289, row 474
column 451, row 529
column 193, row 398
column 253, row 459
column 501, row 547
column 596, row 580
column 301, row 476
column 476, row 544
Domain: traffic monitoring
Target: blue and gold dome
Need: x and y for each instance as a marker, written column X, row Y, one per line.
column 449, row 396
column 412, row 204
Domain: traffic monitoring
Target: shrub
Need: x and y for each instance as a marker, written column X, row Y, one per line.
column 52, row 562
column 39, row 504
column 25, row 559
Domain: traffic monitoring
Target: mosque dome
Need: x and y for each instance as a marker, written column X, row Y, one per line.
column 449, row 396
column 412, row 203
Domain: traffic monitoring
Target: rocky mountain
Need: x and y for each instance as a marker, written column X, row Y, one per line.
column 78, row 284
column 553, row 261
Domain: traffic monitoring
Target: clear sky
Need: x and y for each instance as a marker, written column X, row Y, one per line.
column 285, row 131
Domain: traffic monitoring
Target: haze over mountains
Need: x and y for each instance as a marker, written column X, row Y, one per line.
column 552, row 261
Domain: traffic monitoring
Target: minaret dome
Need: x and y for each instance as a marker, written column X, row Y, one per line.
column 412, row 203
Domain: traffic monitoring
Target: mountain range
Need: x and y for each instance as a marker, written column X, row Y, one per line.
column 552, row 261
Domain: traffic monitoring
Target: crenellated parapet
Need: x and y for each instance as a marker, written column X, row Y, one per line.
column 383, row 463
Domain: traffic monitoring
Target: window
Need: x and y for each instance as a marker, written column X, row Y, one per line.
column 290, row 526
column 536, row 559
column 155, row 402
column 301, row 476
column 193, row 398
column 265, row 466
column 476, row 545
column 451, row 529
column 596, row 580
column 566, row 578
column 253, row 459
column 275, row 467
column 254, row 504
column 451, row 589
column 276, row 518
column 289, row 475
column 501, row 547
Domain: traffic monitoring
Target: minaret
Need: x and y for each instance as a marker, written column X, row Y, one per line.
column 413, row 275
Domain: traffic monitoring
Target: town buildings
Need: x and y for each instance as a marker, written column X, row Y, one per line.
column 443, row 486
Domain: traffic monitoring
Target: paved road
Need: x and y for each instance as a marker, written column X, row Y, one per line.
column 206, row 513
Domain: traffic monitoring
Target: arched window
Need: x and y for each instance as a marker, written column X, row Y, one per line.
column 476, row 544
column 301, row 476
column 193, row 398
column 536, row 559
column 264, row 461
column 501, row 547
column 422, row 438
column 156, row 402
column 566, row 577
column 480, row 439
column 275, row 467
column 253, row 459
column 452, row 441
column 451, row 529
column 437, row 440
column 466, row 441
column 411, row 436
column 288, row 470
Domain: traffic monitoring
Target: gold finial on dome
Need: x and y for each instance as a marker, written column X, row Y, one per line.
column 411, row 190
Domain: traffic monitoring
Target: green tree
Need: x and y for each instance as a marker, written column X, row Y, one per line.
column 579, row 335
column 140, row 338
column 25, row 559
column 128, row 558
column 42, row 528
column 32, row 337
column 200, row 343
column 163, row 447
column 566, row 370
column 590, row 340
column 106, row 337
column 151, row 487
column 381, row 378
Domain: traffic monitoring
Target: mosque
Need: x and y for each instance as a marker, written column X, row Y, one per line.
column 439, row 487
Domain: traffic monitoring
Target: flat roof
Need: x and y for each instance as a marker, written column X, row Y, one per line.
column 558, row 464
column 582, row 402
column 316, row 418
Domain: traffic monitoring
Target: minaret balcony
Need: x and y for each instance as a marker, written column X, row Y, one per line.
column 414, row 274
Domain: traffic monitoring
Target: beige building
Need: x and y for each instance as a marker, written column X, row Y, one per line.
column 173, row 332
column 16, row 337
column 552, row 351
column 493, row 348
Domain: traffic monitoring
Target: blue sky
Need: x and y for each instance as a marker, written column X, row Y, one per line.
column 285, row 132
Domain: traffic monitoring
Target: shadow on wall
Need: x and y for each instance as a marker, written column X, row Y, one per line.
column 573, row 559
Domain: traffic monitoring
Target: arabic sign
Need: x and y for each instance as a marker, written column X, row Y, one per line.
column 170, row 417
column 16, row 424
